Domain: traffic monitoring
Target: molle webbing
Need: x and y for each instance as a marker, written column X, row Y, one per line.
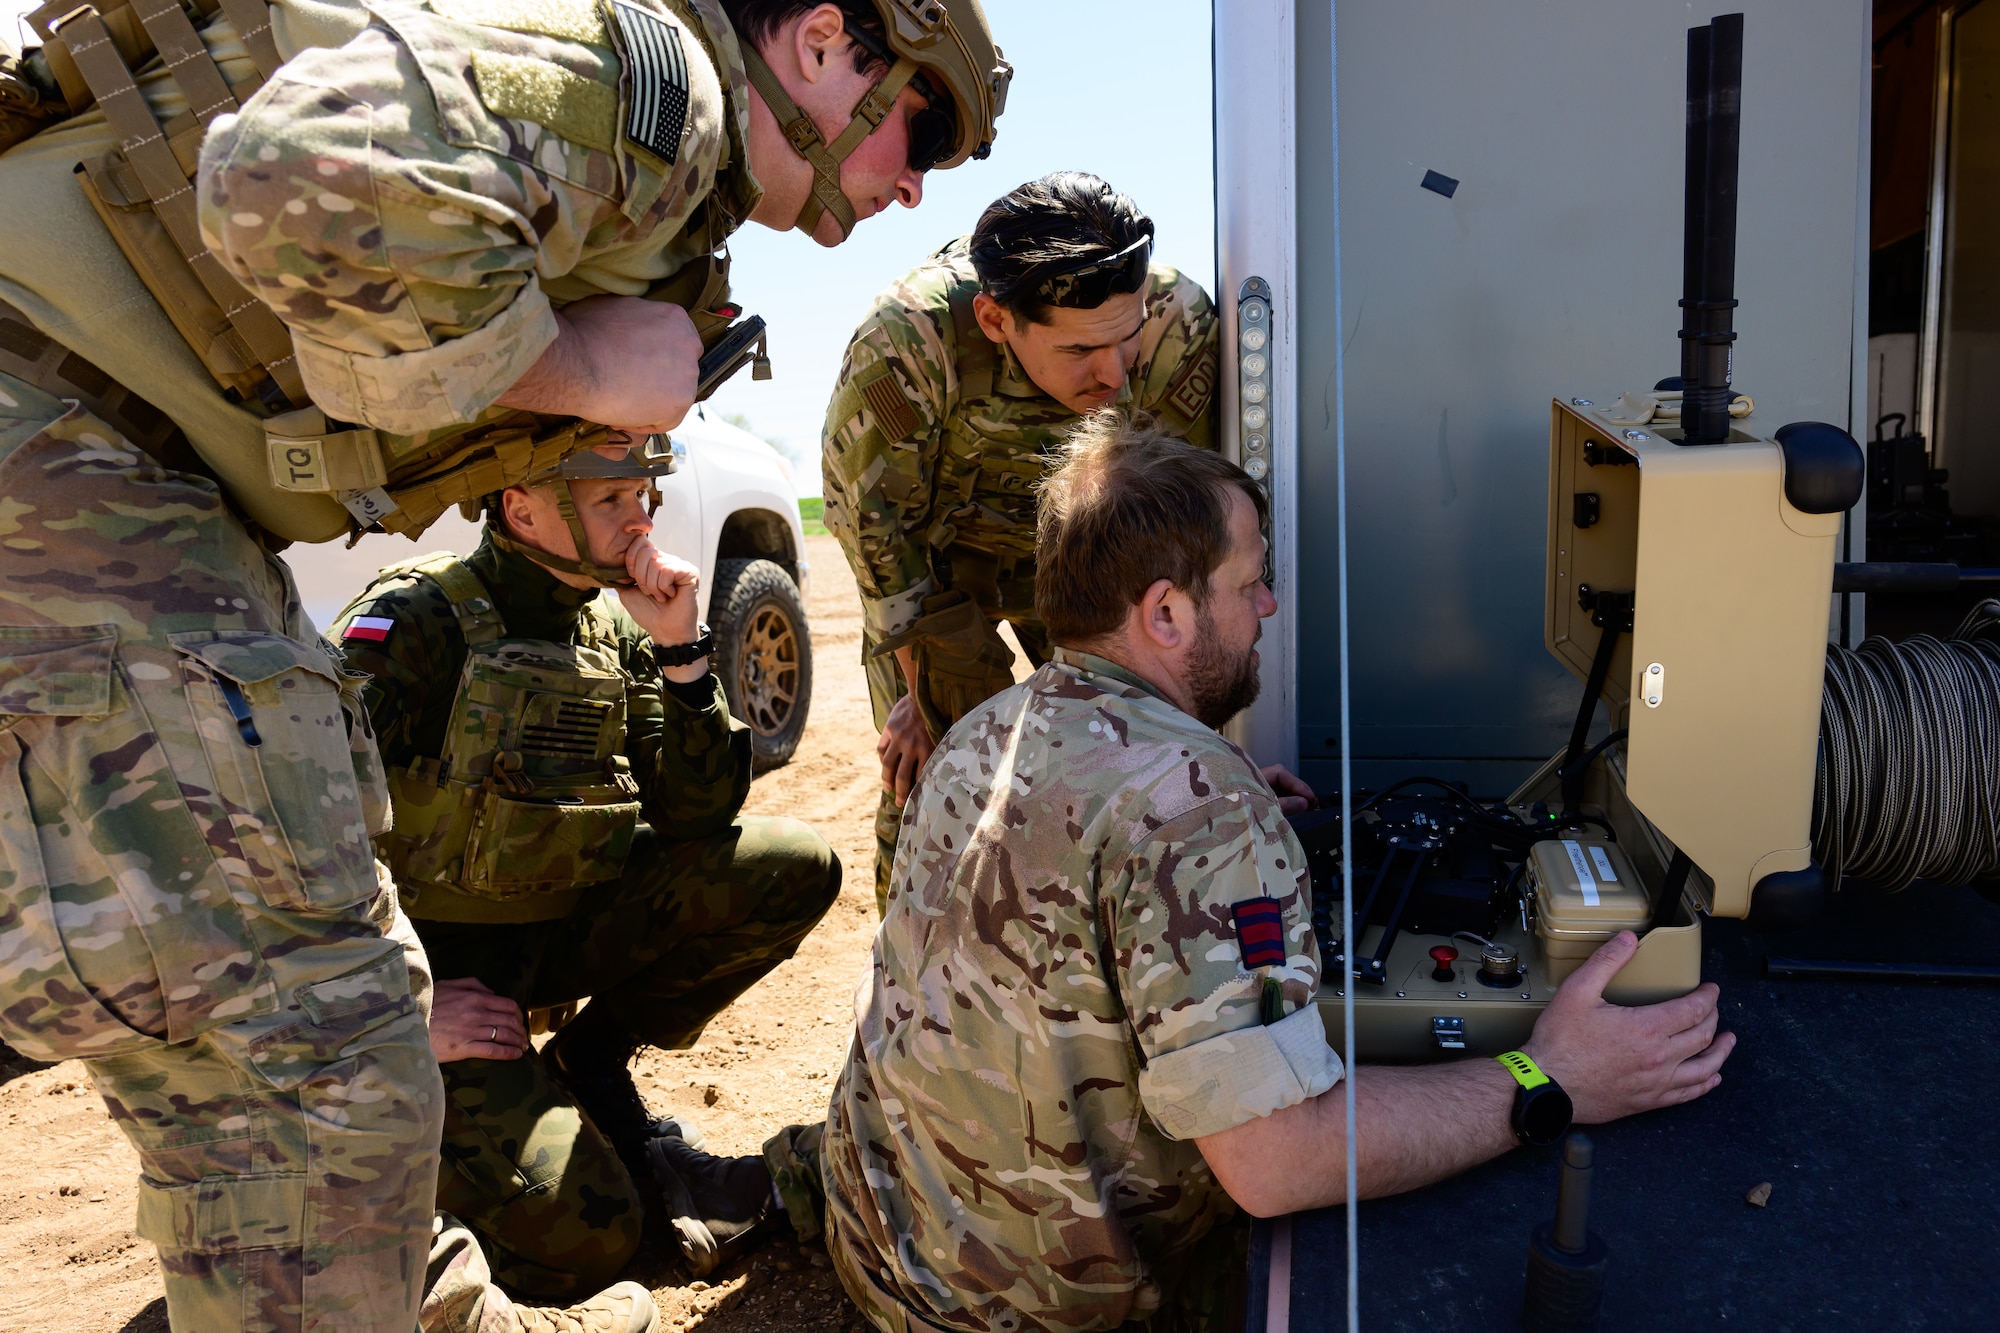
column 146, row 183
column 28, row 354
column 309, row 454
column 478, row 619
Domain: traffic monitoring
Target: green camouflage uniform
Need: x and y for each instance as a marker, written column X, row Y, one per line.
column 192, row 913
column 1059, row 1004
column 707, row 904
column 934, row 443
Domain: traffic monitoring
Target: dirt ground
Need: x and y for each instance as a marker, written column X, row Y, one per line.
column 67, row 1177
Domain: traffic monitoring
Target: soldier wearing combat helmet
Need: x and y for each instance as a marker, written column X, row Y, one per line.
column 955, row 390
column 566, row 780
column 280, row 273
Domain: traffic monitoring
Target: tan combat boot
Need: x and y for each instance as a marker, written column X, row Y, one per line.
column 460, row 1296
column 625, row 1308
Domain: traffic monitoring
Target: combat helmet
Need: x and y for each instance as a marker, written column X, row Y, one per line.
column 651, row 459
column 945, row 48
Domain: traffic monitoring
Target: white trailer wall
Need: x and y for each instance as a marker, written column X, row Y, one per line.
column 1553, row 269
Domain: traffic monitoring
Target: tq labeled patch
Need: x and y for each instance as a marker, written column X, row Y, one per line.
column 1260, row 931
column 657, row 81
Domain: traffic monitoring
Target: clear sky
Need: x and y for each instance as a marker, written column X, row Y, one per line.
column 1118, row 87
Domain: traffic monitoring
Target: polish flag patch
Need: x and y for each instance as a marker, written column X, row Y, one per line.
column 1260, row 931
column 369, row 629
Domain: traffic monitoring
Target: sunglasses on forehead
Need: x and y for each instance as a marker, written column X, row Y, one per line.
column 1091, row 283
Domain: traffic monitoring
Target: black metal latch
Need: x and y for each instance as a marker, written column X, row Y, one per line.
column 1617, row 606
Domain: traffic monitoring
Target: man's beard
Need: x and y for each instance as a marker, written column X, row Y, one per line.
column 1219, row 686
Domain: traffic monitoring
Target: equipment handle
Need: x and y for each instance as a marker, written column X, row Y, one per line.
column 741, row 342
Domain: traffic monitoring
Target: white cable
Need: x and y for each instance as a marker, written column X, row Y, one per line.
column 1350, row 937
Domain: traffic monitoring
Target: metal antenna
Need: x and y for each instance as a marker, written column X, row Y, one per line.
column 1708, row 237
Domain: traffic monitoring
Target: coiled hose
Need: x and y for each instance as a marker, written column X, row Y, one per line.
column 1909, row 758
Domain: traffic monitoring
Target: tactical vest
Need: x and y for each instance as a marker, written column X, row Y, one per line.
column 533, row 798
column 141, row 189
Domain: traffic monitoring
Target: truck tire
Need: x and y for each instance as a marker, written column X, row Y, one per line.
column 763, row 655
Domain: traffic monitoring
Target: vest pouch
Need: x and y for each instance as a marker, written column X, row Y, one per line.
column 275, row 738
column 526, row 844
column 961, row 659
column 531, row 796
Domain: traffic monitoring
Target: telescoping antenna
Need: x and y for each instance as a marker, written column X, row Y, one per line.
column 1708, row 236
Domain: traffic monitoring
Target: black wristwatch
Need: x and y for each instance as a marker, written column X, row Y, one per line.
column 1542, row 1110
column 687, row 654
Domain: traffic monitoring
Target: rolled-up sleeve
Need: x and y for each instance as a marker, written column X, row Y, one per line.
column 414, row 240
column 1197, row 1010
column 1218, row 1084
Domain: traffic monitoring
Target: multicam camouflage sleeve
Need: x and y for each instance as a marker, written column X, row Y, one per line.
column 879, row 456
column 1210, row 1063
column 415, row 244
column 1179, row 357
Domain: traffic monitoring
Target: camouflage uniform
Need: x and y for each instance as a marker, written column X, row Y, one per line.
column 934, row 443
column 186, row 883
column 1060, row 1002
column 188, row 899
column 707, row 904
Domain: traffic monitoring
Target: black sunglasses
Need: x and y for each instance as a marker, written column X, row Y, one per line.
column 934, row 128
column 1093, row 282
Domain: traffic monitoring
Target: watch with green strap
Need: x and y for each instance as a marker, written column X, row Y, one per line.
column 1542, row 1110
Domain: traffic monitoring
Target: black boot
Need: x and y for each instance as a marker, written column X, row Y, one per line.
column 720, row 1207
column 592, row 1055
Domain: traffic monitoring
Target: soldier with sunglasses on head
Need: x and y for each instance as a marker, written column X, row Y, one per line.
column 953, row 396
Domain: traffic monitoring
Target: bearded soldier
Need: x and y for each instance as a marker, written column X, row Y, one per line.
column 954, row 393
column 1088, row 1042
column 279, row 274
column 566, row 779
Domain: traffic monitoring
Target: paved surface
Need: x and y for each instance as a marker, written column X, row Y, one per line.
column 1873, row 1109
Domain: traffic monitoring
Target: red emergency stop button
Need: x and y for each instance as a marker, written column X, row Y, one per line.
column 1444, row 955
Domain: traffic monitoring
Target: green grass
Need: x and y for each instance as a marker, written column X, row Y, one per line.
column 812, row 512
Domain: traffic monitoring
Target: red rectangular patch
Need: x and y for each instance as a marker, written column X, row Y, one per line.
column 373, row 629
column 1260, row 931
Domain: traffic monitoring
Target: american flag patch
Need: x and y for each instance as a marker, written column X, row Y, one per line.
column 372, row 629
column 1260, row 931
column 657, row 88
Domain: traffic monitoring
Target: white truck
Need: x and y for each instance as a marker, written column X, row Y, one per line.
column 732, row 511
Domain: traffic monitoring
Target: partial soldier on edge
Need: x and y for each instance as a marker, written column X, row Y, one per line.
column 954, row 394
column 567, row 782
column 452, row 209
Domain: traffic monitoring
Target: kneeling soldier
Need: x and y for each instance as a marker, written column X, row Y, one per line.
column 566, row 778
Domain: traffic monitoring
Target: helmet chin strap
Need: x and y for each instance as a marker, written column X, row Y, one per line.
column 604, row 576
column 825, row 158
